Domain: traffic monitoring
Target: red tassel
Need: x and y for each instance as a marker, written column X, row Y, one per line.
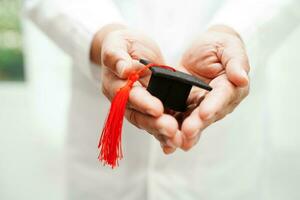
column 110, row 141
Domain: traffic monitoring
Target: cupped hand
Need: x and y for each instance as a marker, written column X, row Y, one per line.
column 120, row 48
column 218, row 57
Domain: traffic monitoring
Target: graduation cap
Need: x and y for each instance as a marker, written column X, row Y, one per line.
column 170, row 86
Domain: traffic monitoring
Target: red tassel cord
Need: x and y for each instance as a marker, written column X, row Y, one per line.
column 110, row 145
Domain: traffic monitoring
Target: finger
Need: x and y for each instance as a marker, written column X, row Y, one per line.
column 203, row 61
column 216, row 101
column 168, row 149
column 216, row 104
column 236, row 65
column 192, row 125
column 139, row 98
column 196, row 96
column 175, row 141
column 145, row 75
column 165, row 125
column 140, row 51
column 189, row 143
column 114, row 55
column 157, row 127
column 191, row 129
column 122, row 63
column 208, row 68
column 196, row 54
column 146, row 51
column 165, row 141
column 236, row 73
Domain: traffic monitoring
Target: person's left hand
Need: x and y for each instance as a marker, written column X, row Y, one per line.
column 219, row 58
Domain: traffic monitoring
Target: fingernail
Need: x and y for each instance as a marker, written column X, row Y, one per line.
column 209, row 116
column 178, row 138
column 163, row 131
column 121, row 65
column 168, row 150
column 244, row 75
column 169, row 143
column 195, row 133
column 151, row 112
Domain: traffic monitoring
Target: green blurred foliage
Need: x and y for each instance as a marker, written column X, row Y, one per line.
column 9, row 14
column 11, row 65
column 11, row 57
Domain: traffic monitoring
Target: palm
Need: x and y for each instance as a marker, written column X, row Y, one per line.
column 212, row 61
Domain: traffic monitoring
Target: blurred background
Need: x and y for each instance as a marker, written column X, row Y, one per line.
column 33, row 112
column 11, row 61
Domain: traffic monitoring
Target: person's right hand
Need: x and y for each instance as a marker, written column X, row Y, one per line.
column 120, row 48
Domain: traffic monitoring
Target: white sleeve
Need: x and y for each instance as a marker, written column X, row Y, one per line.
column 72, row 24
column 245, row 16
column 263, row 24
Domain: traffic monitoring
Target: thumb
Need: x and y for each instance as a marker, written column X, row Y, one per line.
column 236, row 72
column 236, row 66
column 117, row 60
column 115, row 56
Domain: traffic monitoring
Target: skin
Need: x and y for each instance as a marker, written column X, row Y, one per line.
column 217, row 56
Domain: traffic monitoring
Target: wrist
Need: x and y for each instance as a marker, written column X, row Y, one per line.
column 95, row 52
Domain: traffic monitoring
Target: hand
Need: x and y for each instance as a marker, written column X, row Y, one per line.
column 218, row 57
column 119, row 48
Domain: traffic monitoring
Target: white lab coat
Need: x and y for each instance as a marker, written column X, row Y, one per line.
column 227, row 162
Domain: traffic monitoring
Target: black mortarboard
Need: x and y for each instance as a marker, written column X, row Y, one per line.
column 172, row 87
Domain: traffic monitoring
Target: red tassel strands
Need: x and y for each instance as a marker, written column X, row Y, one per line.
column 110, row 141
